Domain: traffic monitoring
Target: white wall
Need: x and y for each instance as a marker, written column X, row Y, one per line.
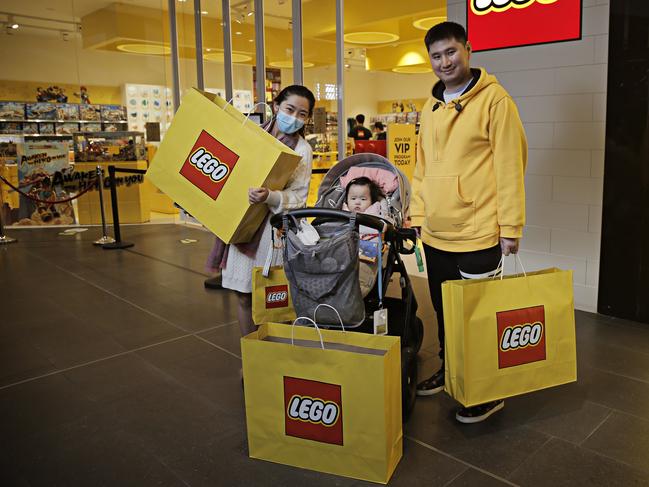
column 560, row 90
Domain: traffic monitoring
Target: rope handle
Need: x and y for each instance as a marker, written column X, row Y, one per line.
column 314, row 324
column 253, row 110
column 501, row 266
column 335, row 311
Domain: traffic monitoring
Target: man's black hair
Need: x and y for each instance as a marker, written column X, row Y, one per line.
column 443, row 31
column 360, row 118
column 379, row 125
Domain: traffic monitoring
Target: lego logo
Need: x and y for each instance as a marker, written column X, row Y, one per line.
column 481, row 7
column 313, row 410
column 521, row 336
column 209, row 165
column 277, row 297
column 516, row 337
column 209, row 157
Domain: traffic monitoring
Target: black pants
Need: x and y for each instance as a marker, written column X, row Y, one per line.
column 445, row 266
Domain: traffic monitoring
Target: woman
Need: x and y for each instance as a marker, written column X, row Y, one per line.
column 291, row 109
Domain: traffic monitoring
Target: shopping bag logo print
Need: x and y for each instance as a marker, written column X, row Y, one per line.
column 521, row 336
column 209, row 165
column 276, row 296
column 313, row 410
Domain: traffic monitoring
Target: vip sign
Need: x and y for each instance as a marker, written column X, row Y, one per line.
column 521, row 336
column 313, row 410
column 276, row 296
column 498, row 24
column 209, row 164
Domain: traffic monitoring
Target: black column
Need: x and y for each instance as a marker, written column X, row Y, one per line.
column 624, row 265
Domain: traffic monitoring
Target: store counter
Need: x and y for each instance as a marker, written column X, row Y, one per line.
column 133, row 194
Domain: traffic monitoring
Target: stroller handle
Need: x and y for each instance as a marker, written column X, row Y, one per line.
column 371, row 221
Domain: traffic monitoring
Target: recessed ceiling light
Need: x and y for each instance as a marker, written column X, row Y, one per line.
column 14, row 26
column 289, row 64
column 144, row 48
column 239, row 33
column 370, row 37
column 251, row 40
column 251, row 13
column 204, row 12
column 427, row 22
column 219, row 57
column 412, row 69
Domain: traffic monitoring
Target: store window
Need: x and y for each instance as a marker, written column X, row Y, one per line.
column 87, row 83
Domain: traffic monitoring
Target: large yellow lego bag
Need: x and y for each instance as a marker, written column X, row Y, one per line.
column 209, row 158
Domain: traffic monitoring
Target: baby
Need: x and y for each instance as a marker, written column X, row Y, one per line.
column 362, row 196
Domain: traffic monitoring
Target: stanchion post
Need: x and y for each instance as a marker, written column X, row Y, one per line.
column 117, row 244
column 105, row 239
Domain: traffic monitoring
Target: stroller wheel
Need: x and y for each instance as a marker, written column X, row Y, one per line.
column 408, row 381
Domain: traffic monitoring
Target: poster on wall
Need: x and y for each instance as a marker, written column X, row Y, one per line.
column 500, row 24
column 38, row 163
column 147, row 104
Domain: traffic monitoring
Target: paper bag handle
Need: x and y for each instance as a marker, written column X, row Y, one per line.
column 314, row 324
column 501, row 266
column 335, row 311
column 253, row 110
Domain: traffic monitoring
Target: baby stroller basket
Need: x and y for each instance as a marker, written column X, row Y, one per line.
column 326, row 272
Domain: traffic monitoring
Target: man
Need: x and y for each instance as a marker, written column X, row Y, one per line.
column 468, row 187
column 379, row 131
column 359, row 132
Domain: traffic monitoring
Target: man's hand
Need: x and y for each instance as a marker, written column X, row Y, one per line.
column 257, row 195
column 509, row 245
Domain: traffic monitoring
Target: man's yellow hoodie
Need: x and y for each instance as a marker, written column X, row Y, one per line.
column 468, row 184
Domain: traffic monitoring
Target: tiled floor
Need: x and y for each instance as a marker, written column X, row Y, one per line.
column 117, row 368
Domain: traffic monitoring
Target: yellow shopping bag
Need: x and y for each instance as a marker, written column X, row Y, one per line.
column 510, row 336
column 209, row 158
column 271, row 297
column 329, row 403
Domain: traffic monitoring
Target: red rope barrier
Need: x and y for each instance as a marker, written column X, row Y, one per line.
column 52, row 202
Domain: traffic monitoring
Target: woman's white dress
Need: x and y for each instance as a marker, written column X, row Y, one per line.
column 237, row 274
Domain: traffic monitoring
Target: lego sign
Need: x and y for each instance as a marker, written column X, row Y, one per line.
column 209, row 164
column 499, row 24
column 521, row 336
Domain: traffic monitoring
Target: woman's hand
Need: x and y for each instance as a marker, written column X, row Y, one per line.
column 257, row 195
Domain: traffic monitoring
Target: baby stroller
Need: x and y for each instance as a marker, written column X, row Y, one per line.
column 327, row 272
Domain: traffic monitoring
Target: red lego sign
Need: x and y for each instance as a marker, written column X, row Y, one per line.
column 498, row 24
column 276, row 296
column 521, row 336
column 209, row 164
column 313, row 410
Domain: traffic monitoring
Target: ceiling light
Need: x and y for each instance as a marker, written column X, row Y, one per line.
column 251, row 13
column 428, row 22
column 204, row 12
column 370, row 37
column 251, row 40
column 239, row 33
column 412, row 69
column 220, row 58
column 144, row 48
column 14, row 26
column 289, row 64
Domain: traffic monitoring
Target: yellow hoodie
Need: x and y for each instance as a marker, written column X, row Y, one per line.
column 468, row 187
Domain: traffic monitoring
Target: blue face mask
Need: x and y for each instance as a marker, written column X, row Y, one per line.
column 287, row 123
